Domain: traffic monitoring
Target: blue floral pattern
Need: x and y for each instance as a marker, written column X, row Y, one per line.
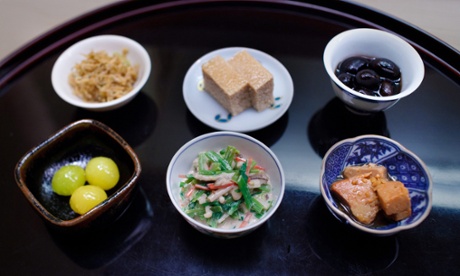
column 226, row 118
column 402, row 165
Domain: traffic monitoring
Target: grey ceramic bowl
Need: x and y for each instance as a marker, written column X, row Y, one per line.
column 76, row 144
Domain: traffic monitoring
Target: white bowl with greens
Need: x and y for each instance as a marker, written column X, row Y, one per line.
column 225, row 184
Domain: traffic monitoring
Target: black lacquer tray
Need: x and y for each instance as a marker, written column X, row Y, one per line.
column 302, row 237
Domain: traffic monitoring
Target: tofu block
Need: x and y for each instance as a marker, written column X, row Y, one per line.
column 394, row 200
column 377, row 171
column 358, row 195
column 226, row 85
column 259, row 78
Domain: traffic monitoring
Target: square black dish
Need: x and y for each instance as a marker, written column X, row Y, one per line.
column 76, row 144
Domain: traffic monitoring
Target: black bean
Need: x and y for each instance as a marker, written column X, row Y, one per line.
column 368, row 78
column 353, row 65
column 386, row 68
column 370, row 75
column 388, row 88
column 347, row 78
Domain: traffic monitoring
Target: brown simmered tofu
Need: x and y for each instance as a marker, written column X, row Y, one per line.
column 259, row 78
column 374, row 169
column 358, row 194
column 394, row 200
column 226, row 85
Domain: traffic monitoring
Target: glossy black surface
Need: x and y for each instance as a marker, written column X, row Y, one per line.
column 302, row 237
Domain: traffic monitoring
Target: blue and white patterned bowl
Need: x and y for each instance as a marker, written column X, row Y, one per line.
column 402, row 165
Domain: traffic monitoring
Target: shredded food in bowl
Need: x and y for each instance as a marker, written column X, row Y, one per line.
column 102, row 77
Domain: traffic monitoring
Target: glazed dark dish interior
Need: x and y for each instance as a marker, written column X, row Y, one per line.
column 75, row 144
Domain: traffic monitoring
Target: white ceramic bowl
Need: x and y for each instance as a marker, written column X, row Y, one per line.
column 373, row 43
column 137, row 55
column 181, row 164
column 401, row 163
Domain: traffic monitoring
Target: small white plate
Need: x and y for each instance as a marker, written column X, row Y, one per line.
column 204, row 107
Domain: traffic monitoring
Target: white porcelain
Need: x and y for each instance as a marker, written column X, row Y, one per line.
column 373, row 43
column 137, row 55
column 181, row 163
column 206, row 109
column 402, row 165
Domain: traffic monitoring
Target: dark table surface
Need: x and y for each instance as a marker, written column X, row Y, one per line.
column 302, row 237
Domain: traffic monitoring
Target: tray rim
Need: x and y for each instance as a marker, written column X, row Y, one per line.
column 434, row 51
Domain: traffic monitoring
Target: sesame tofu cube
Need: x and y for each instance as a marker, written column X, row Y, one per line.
column 375, row 170
column 259, row 78
column 226, row 85
column 394, row 200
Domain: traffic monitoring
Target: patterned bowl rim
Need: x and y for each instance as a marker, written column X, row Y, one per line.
column 342, row 216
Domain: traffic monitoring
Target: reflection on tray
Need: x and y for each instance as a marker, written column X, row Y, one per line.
column 345, row 248
column 267, row 135
column 335, row 122
column 134, row 122
column 206, row 247
column 103, row 246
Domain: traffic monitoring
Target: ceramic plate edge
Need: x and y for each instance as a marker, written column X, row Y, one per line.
column 193, row 76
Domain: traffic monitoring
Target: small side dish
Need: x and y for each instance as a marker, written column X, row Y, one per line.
column 225, row 189
column 379, row 79
column 101, row 73
column 373, row 76
column 215, row 184
column 376, row 185
column 101, row 173
column 210, row 112
column 72, row 148
column 367, row 189
column 103, row 77
column 239, row 83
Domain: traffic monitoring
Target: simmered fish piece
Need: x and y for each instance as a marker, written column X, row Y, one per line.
column 358, row 195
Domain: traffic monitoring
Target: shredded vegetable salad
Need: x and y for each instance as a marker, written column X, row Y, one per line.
column 225, row 189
